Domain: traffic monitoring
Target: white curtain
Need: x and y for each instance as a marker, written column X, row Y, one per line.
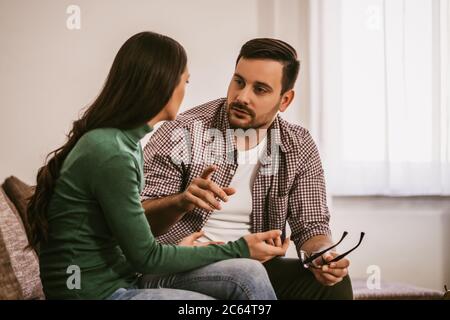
column 380, row 95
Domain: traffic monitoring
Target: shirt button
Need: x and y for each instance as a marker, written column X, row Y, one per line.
column 232, row 171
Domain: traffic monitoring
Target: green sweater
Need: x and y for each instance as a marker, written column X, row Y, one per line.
column 97, row 223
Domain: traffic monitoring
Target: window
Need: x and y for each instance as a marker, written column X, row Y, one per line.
column 383, row 119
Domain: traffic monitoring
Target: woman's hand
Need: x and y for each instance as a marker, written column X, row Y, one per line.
column 261, row 248
column 191, row 240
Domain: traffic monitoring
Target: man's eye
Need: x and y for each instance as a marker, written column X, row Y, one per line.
column 239, row 81
column 260, row 90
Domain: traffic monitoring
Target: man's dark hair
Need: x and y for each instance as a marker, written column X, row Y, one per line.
column 274, row 49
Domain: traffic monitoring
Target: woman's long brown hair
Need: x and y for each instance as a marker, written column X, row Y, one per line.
column 141, row 81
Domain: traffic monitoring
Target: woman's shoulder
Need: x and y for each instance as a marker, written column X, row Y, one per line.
column 102, row 145
column 101, row 135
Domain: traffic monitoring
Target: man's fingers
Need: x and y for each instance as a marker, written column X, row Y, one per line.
column 330, row 274
column 325, row 277
column 341, row 264
column 207, row 173
column 270, row 242
column 327, row 256
column 319, row 277
column 229, row 191
column 206, row 196
column 214, row 188
column 199, row 203
column 340, row 273
column 330, row 278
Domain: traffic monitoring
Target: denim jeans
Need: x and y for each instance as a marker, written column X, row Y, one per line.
column 157, row 294
column 233, row 279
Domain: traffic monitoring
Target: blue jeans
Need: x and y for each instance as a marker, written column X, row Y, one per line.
column 233, row 279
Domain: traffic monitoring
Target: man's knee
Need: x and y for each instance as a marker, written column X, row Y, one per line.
column 340, row 291
column 292, row 281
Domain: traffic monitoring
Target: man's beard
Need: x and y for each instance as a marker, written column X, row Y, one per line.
column 251, row 123
column 242, row 107
column 237, row 124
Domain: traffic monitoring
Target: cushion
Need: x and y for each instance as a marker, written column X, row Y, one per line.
column 19, row 192
column 9, row 286
column 19, row 267
column 393, row 291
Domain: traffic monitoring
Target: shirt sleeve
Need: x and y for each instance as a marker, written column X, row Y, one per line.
column 164, row 176
column 308, row 210
column 116, row 188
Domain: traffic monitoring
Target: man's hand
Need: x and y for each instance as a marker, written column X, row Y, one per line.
column 191, row 240
column 204, row 193
column 329, row 275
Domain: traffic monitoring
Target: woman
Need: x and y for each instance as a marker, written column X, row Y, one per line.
column 86, row 217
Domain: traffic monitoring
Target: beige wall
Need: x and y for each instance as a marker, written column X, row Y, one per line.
column 48, row 73
column 406, row 238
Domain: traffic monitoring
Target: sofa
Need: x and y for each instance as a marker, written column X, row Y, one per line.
column 19, row 266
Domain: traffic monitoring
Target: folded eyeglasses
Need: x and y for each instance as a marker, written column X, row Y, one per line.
column 311, row 260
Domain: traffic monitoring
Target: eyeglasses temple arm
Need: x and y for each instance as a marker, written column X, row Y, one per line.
column 318, row 254
column 339, row 257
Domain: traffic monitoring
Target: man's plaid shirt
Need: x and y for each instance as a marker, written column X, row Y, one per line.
column 294, row 193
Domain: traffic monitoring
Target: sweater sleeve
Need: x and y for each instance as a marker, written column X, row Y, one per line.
column 115, row 185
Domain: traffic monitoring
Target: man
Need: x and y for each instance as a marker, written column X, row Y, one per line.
column 233, row 166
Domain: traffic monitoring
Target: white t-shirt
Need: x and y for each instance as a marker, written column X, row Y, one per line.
column 233, row 221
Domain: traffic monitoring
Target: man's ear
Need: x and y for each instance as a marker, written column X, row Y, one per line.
column 286, row 100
